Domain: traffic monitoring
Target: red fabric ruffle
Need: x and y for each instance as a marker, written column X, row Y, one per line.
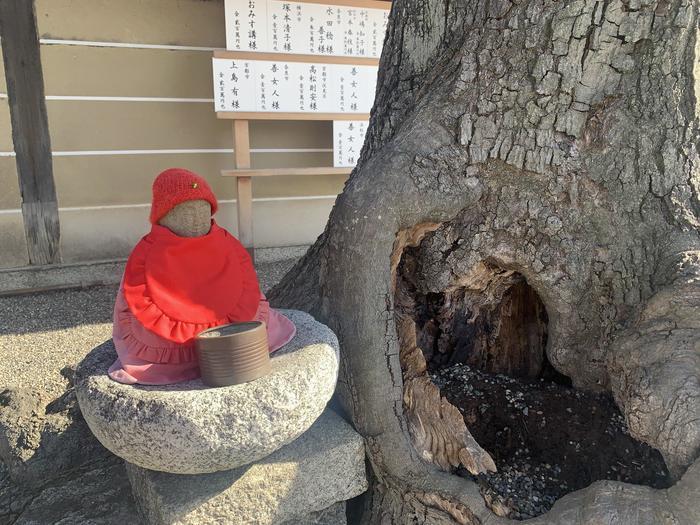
column 178, row 286
column 147, row 345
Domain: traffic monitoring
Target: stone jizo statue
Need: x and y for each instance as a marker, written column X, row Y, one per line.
column 188, row 274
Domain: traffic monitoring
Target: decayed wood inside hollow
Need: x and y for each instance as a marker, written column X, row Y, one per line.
column 493, row 321
column 496, row 322
column 437, row 429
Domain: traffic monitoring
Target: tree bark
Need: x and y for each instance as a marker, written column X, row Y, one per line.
column 554, row 139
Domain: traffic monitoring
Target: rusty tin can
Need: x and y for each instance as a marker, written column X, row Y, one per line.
column 234, row 353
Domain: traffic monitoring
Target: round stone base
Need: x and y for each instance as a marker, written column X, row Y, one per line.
column 188, row 428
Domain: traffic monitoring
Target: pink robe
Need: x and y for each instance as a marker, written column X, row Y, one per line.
column 149, row 359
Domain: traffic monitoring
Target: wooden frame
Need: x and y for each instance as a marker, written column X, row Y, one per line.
column 250, row 115
column 244, row 180
column 244, row 185
column 278, row 172
column 243, row 172
column 368, row 4
column 30, row 130
column 292, row 57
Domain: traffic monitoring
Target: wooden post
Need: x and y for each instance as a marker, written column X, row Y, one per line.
column 244, row 185
column 30, row 130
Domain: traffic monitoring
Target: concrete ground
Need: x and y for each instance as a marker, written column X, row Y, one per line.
column 42, row 333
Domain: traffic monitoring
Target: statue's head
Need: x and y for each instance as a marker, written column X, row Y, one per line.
column 183, row 202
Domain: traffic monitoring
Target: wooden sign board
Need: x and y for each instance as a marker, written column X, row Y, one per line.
column 301, row 88
column 297, row 61
column 351, row 28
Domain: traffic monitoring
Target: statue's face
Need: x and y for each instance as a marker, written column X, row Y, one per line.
column 189, row 219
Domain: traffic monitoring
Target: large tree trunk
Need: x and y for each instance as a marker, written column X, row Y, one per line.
column 555, row 140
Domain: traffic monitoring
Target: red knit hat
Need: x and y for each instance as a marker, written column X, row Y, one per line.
column 176, row 185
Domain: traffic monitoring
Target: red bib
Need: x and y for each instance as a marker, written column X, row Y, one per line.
column 178, row 286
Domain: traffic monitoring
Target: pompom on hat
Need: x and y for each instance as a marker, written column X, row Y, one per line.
column 175, row 186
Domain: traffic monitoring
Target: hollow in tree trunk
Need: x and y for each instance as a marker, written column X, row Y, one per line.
column 539, row 144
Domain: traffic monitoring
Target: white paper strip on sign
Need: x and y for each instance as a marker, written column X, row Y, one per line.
column 304, row 28
column 348, row 138
column 292, row 87
column 246, row 24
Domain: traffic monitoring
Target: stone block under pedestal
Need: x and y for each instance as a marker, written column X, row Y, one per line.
column 322, row 467
column 333, row 515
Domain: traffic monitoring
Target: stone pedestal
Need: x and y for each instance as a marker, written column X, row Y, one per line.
column 305, row 482
column 263, row 452
column 188, row 428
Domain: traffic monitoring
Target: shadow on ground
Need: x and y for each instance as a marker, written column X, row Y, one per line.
column 58, row 310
